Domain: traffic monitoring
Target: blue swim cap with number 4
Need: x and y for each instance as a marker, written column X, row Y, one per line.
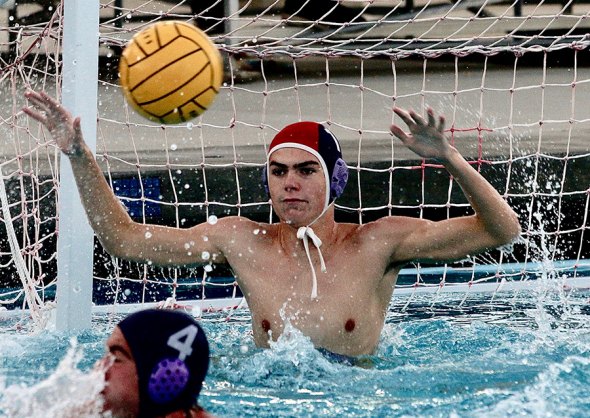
column 171, row 354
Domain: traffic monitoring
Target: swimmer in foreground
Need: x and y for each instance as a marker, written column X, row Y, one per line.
column 155, row 366
column 332, row 281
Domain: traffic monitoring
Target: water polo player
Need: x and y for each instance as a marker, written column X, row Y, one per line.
column 155, row 367
column 333, row 281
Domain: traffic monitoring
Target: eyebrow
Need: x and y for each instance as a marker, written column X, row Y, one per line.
column 296, row 166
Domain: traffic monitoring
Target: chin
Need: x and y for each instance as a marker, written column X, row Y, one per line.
column 295, row 221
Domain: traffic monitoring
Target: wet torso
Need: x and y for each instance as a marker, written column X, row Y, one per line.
column 348, row 313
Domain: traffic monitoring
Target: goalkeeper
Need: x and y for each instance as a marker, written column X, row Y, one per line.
column 333, row 281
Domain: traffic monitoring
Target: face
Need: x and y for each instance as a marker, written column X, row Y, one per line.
column 297, row 186
column 121, row 393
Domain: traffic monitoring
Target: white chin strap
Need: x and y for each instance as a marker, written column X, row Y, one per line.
column 304, row 233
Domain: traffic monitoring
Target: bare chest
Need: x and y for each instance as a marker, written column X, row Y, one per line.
column 347, row 312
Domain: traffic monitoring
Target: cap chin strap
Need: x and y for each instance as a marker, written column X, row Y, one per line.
column 304, row 233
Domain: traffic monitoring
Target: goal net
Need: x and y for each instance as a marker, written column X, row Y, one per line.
column 512, row 79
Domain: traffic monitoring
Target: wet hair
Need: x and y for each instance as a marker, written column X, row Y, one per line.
column 171, row 354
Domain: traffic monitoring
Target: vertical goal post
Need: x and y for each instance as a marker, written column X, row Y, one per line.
column 75, row 245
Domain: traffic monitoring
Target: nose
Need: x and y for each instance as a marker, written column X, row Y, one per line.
column 291, row 182
column 104, row 364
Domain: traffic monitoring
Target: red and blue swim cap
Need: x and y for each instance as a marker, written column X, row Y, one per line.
column 171, row 355
column 321, row 143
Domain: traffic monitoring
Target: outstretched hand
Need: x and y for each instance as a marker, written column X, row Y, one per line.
column 63, row 127
column 426, row 138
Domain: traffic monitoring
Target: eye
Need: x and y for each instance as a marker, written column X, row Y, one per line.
column 306, row 171
column 278, row 171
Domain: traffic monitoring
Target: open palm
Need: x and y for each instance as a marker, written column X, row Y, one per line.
column 426, row 138
column 64, row 128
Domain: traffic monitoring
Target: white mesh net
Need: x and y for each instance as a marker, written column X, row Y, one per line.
column 512, row 79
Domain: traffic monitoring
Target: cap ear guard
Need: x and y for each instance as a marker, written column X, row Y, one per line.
column 338, row 180
column 168, row 379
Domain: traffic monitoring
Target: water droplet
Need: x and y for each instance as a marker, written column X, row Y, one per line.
column 208, row 268
column 127, row 292
column 212, row 220
column 243, row 349
column 173, row 147
column 196, row 311
column 205, row 255
column 189, row 126
column 256, row 231
column 148, row 235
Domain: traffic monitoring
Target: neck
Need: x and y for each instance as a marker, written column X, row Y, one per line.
column 323, row 225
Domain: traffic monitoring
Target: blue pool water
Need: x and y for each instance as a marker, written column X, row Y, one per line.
column 439, row 357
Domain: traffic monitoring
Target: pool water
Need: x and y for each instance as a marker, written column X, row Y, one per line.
column 444, row 356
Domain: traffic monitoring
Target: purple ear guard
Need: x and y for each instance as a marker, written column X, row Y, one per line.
column 339, row 179
column 168, row 379
column 337, row 182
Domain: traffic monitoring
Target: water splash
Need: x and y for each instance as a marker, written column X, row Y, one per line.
column 67, row 393
column 544, row 398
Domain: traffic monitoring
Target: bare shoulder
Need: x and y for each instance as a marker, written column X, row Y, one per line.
column 391, row 227
column 228, row 224
column 381, row 228
column 236, row 229
column 386, row 236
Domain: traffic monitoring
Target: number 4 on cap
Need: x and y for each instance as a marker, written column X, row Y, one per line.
column 184, row 348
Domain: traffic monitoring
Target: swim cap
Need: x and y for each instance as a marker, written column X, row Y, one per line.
column 317, row 140
column 171, row 354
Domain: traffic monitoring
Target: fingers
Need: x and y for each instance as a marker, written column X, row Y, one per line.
column 36, row 100
column 419, row 120
column 412, row 118
column 77, row 127
column 403, row 115
column 441, row 124
column 39, row 108
column 431, row 119
column 38, row 116
column 43, row 102
column 398, row 132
